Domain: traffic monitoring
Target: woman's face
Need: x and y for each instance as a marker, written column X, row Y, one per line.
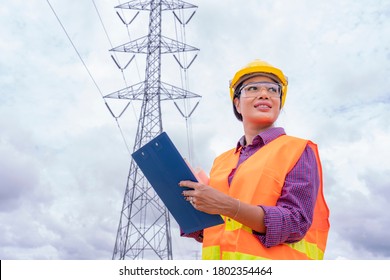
column 263, row 109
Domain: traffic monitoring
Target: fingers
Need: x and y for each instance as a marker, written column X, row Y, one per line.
column 189, row 184
column 191, row 199
column 190, row 195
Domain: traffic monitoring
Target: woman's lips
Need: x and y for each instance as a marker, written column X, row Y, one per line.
column 265, row 105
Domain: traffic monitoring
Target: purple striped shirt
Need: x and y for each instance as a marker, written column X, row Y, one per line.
column 289, row 220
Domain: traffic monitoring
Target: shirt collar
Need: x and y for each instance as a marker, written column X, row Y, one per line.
column 262, row 138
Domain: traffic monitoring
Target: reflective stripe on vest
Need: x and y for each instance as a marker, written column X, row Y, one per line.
column 266, row 168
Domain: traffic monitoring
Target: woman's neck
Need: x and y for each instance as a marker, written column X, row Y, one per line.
column 252, row 131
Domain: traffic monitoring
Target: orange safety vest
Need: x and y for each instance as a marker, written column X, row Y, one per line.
column 259, row 181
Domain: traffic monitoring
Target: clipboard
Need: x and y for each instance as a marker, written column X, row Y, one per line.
column 164, row 167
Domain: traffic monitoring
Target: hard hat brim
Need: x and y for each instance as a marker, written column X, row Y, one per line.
column 261, row 74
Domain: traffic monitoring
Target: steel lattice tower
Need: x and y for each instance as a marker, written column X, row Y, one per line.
column 144, row 226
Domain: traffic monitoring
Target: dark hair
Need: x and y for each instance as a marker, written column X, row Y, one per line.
column 237, row 94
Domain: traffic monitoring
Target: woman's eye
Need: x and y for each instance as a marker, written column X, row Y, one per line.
column 252, row 88
column 272, row 89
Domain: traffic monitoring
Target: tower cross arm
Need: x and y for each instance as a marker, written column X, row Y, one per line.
column 168, row 45
column 167, row 92
column 172, row 46
column 139, row 45
column 133, row 92
column 171, row 92
column 165, row 5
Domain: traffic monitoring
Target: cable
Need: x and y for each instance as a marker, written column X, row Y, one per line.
column 101, row 21
column 74, row 47
column 128, row 34
column 86, row 68
column 181, row 36
column 123, row 74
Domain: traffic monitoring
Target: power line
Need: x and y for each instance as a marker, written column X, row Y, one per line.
column 74, row 47
column 89, row 73
column 115, row 58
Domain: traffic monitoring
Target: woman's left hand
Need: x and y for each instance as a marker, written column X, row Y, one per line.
column 207, row 199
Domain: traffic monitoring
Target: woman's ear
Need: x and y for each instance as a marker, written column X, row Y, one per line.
column 237, row 104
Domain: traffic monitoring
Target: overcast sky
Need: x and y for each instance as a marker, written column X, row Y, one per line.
column 64, row 163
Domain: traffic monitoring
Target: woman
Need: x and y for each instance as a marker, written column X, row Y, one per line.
column 269, row 188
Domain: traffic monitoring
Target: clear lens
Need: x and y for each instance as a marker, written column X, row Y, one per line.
column 254, row 89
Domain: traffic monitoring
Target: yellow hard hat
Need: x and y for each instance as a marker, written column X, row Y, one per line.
column 253, row 69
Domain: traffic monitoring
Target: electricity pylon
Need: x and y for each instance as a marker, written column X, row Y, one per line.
column 144, row 226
